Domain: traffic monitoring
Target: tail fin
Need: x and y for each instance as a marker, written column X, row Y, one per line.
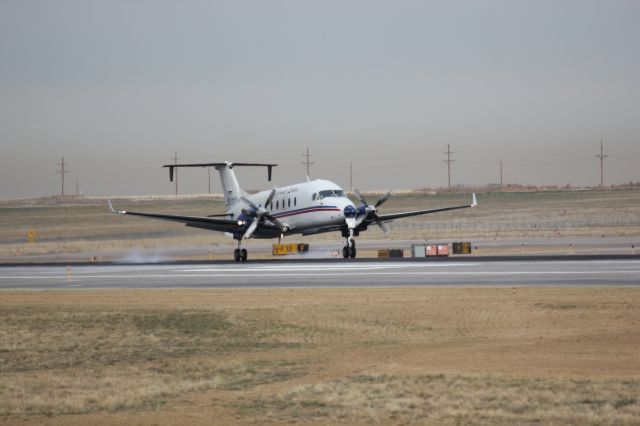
column 230, row 186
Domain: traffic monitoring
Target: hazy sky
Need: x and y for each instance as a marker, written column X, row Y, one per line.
column 118, row 86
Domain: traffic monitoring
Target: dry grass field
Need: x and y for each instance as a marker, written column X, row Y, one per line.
column 80, row 228
column 384, row 356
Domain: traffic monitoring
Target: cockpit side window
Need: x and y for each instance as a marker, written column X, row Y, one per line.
column 331, row 193
column 313, row 197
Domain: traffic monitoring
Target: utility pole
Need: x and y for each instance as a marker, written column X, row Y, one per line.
column 501, row 173
column 77, row 186
column 175, row 169
column 448, row 161
column 307, row 162
column 602, row 156
column 209, row 172
column 350, row 176
column 62, row 172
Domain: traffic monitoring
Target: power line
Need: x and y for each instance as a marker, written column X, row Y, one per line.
column 602, row 156
column 307, row 162
column 62, row 171
column 448, row 161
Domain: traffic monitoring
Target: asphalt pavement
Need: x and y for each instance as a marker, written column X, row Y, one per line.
column 469, row 271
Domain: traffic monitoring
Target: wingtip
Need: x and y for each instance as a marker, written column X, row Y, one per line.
column 474, row 202
column 115, row 211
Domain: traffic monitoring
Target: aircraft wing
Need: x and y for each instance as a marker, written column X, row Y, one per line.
column 203, row 222
column 392, row 216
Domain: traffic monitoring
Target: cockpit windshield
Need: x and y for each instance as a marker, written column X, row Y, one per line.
column 331, row 193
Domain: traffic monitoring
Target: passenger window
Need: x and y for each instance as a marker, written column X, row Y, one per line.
column 289, row 202
column 278, row 204
column 295, row 201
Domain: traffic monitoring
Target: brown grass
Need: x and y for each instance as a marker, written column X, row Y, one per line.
column 406, row 355
column 441, row 399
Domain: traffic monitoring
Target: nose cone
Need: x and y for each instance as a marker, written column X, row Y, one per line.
column 349, row 211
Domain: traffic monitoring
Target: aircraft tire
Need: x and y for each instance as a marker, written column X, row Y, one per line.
column 243, row 255
column 352, row 252
column 345, row 252
column 236, row 255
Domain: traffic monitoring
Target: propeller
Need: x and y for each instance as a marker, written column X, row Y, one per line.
column 368, row 211
column 259, row 212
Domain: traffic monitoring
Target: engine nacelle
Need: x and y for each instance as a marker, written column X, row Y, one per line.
column 245, row 220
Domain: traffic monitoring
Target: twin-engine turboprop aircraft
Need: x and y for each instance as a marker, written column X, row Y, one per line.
column 306, row 208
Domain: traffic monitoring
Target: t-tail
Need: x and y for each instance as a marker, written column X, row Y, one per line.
column 233, row 193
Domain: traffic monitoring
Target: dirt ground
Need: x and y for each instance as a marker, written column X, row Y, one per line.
column 321, row 356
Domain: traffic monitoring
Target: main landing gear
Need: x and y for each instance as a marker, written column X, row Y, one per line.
column 349, row 251
column 240, row 255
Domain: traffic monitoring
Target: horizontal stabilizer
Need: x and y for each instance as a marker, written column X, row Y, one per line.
column 218, row 165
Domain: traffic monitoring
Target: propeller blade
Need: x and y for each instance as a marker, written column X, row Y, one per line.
column 276, row 222
column 359, row 220
column 382, row 200
column 270, row 197
column 360, row 197
column 248, row 201
column 382, row 226
column 249, row 232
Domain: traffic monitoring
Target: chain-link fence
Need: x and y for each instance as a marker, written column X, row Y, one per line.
column 497, row 225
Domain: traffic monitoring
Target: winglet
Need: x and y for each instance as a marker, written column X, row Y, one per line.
column 114, row 211
column 474, row 203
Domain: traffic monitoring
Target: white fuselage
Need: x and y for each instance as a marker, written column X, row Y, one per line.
column 306, row 206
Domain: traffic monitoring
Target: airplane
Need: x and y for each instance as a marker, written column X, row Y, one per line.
column 306, row 208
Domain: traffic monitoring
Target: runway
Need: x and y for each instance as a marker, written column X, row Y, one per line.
column 579, row 271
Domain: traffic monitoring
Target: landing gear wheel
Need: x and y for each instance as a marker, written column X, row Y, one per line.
column 237, row 255
column 243, row 255
column 352, row 249
column 345, row 252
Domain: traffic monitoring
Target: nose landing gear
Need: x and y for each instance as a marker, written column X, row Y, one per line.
column 349, row 251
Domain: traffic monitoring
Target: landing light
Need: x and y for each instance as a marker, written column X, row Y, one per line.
column 240, row 222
